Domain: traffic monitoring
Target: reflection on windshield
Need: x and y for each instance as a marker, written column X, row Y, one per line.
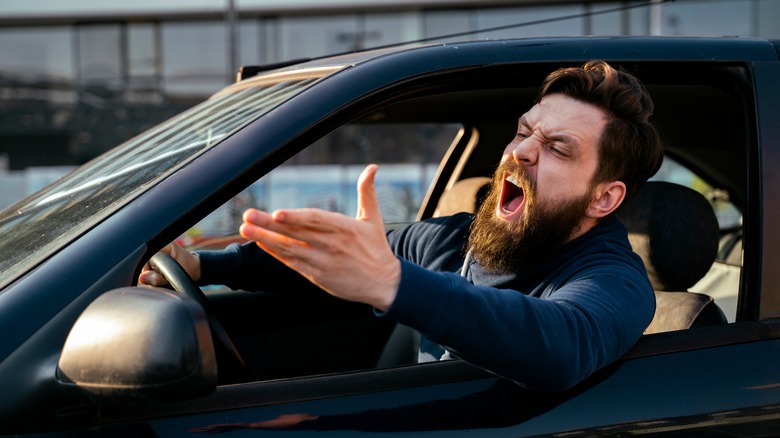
column 137, row 167
column 45, row 221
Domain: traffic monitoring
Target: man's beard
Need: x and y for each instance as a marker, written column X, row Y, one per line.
column 503, row 246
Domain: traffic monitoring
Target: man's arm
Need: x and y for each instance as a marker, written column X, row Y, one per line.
column 349, row 258
column 548, row 344
column 239, row 267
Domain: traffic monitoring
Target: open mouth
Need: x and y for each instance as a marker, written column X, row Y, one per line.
column 512, row 199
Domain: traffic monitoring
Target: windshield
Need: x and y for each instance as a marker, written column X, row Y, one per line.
column 47, row 220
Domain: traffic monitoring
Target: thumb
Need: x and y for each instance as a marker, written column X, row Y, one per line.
column 367, row 204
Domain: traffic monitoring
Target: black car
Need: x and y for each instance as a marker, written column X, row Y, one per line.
column 85, row 351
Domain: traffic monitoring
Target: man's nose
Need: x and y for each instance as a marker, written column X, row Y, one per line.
column 526, row 150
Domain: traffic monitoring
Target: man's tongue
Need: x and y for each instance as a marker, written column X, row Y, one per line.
column 514, row 203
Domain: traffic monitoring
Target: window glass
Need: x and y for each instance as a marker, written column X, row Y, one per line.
column 325, row 176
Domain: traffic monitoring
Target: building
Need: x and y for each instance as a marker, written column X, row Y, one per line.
column 78, row 77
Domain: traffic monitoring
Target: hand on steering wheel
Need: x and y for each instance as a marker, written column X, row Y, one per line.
column 233, row 367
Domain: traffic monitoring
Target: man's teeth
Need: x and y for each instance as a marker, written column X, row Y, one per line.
column 513, row 180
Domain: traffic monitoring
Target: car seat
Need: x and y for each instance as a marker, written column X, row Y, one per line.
column 675, row 231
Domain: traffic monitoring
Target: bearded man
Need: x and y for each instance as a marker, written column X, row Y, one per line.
column 540, row 286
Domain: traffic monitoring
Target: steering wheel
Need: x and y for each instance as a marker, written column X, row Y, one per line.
column 230, row 360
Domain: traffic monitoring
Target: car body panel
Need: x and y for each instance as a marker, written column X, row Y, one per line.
column 677, row 380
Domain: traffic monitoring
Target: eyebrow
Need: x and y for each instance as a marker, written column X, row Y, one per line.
column 565, row 139
column 562, row 138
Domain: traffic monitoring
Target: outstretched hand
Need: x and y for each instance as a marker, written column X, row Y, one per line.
column 349, row 258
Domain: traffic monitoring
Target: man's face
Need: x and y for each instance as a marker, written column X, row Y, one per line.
column 543, row 186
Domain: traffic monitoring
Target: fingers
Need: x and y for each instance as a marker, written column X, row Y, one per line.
column 188, row 261
column 303, row 221
column 275, row 242
column 306, row 250
column 152, row 278
column 368, row 206
column 307, row 224
column 293, row 252
column 288, row 234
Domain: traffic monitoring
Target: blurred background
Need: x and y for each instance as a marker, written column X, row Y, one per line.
column 78, row 77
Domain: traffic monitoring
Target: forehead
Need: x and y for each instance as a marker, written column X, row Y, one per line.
column 558, row 115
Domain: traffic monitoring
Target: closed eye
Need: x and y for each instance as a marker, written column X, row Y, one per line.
column 561, row 152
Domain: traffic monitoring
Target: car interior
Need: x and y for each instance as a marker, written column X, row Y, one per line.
column 692, row 250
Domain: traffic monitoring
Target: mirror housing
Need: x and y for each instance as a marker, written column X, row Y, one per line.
column 140, row 343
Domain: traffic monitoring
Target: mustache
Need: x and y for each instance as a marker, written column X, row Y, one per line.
column 518, row 171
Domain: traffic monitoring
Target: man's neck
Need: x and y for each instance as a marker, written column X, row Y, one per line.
column 587, row 224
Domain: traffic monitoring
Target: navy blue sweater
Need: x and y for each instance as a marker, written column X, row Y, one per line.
column 547, row 327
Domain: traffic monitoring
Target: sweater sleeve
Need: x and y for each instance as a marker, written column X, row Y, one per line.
column 247, row 267
column 437, row 244
column 250, row 268
column 547, row 343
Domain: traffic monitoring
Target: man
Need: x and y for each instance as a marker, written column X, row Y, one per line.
column 540, row 286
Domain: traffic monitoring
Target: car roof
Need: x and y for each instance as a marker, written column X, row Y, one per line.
column 566, row 48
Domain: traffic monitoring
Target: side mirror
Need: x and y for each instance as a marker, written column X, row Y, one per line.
column 140, row 344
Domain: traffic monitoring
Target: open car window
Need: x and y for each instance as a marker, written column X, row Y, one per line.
column 325, row 174
column 291, row 334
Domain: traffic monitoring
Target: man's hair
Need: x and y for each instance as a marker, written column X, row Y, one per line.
column 630, row 148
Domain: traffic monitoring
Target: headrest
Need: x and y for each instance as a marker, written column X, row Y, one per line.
column 464, row 196
column 675, row 231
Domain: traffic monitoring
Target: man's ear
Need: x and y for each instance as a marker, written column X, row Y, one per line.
column 608, row 197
